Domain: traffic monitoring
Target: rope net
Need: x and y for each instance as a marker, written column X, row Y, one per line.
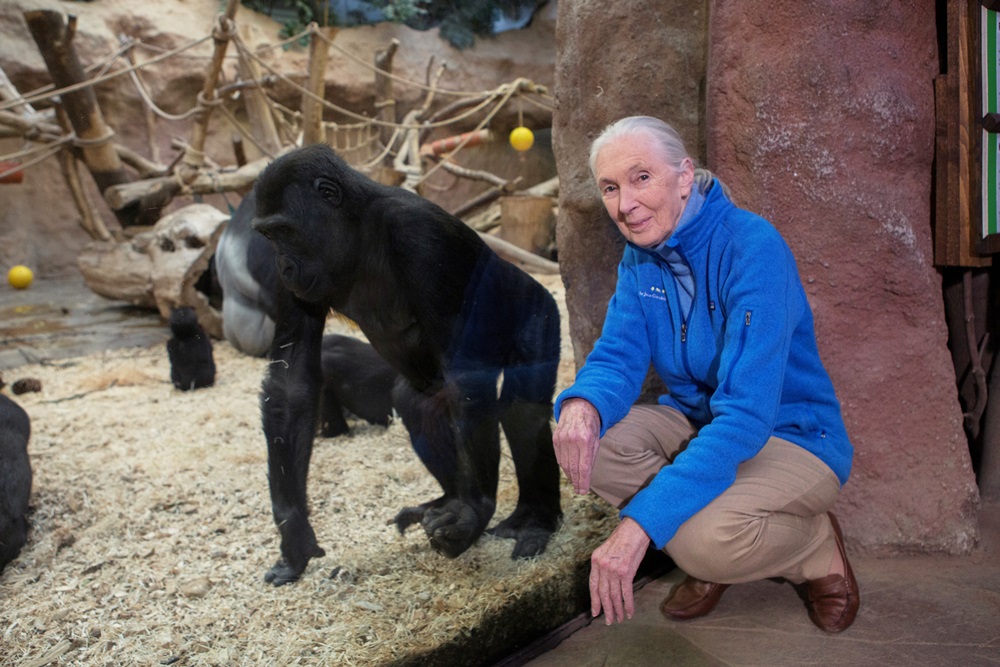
column 356, row 136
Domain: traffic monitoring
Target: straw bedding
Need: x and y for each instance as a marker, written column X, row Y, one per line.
column 152, row 532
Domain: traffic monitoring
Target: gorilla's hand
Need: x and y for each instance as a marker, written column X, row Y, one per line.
column 456, row 525
column 530, row 531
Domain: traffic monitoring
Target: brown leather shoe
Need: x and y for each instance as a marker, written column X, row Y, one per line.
column 692, row 598
column 833, row 600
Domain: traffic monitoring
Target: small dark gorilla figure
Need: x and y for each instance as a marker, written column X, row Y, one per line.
column 15, row 479
column 446, row 313
column 355, row 378
column 190, row 350
column 244, row 265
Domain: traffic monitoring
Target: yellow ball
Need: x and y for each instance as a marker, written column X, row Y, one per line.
column 20, row 277
column 521, row 138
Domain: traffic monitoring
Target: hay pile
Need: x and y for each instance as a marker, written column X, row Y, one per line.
column 152, row 533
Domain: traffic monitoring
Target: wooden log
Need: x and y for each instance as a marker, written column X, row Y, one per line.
column 183, row 245
column 160, row 268
column 526, row 260
column 527, row 222
column 312, row 108
column 119, row 271
column 262, row 126
column 53, row 33
column 241, row 179
column 487, row 219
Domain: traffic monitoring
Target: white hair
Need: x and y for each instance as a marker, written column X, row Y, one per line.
column 665, row 141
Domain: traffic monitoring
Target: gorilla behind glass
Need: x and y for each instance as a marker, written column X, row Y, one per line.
column 15, row 479
column 446, row 313
column 355, row 378
column 189, row 349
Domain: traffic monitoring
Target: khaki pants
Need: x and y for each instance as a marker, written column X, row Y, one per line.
column 770, row 523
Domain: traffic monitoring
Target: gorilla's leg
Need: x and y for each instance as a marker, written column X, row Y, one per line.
column 331, row 414
column 459, row 442
column 538, row 513
column 289, row 401
column 428, row 422
column 529, row 382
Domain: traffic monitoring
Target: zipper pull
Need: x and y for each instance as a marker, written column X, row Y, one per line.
column 684, row 332
column 748, row 318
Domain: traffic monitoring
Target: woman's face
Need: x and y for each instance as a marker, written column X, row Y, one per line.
column 643, row 193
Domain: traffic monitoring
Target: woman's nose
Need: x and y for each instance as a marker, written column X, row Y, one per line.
column 626, row 202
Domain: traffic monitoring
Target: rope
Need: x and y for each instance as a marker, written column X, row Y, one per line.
column 48, row 94
column 226, row 29
column 80, row 142
column 243, row 131
column 44, row 154
column 140, row 86
column 314, row 29
column 487, row 95
column 512, row 88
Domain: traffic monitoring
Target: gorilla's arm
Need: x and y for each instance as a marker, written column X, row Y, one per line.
column 289, row 406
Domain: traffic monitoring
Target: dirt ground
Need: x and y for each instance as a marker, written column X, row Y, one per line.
column 152, row 533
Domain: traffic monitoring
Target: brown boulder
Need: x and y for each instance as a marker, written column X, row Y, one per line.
column 820, row 118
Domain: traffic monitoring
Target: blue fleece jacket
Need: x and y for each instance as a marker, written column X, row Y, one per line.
column 740, row 359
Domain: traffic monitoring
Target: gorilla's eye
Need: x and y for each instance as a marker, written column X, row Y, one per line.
column 327, row 189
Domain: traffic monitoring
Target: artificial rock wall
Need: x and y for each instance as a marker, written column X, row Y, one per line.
column 821, row 118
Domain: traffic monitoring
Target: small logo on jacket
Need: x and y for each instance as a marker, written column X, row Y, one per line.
column 654, row 293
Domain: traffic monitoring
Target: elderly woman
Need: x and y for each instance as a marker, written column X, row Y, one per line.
column 731, row 473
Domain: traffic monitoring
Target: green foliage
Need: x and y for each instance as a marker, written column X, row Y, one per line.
column 400, row 11
column 458, row 21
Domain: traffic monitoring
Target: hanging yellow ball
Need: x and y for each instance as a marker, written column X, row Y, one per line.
column 20, row 277
column 521, row 138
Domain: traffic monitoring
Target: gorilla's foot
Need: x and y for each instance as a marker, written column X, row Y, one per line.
column 282, row 573
column 290, row 566
column 531, row 532
column 455, row 525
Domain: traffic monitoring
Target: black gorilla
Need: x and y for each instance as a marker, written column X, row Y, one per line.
column 15, row 479
column 190, row 351
column 440, row 307
column 355, row 378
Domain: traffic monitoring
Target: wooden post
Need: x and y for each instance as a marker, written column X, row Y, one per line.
column 258, row 112
column 194, row 156
column 312, row 108
column 90, row 218
column 53, row 33
column 385, row 102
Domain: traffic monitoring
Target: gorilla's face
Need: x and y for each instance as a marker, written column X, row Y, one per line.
column 301, row 210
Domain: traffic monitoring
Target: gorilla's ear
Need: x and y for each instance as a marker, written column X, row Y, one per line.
column 328, row 190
